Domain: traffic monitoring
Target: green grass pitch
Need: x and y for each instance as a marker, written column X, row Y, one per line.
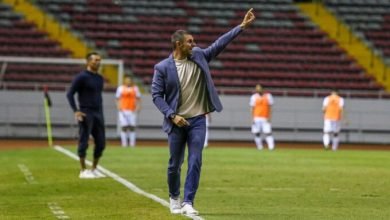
column 235, row 184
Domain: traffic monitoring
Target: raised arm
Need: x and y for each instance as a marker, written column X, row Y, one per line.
column 219, row 45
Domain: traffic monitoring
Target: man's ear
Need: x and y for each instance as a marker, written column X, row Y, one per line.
column 179, row 44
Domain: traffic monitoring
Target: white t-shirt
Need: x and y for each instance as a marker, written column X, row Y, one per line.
column 194, row 98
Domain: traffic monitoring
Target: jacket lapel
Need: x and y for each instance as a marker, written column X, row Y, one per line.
column 173, row 75
column 173, row 71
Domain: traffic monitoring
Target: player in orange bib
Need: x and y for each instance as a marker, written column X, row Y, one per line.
column 128, row 104
column 261, row 104
column 333, row 113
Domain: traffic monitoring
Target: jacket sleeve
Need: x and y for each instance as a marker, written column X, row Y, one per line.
column 217, row 47
column 158, row 93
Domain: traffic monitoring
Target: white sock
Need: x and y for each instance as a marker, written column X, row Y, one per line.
column 326, row 140
column 270, row 142
column 335, row 143
column 124, row 138
column 258, row 142
column 132, row 138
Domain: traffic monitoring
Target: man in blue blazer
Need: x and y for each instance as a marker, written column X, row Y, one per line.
column 183, row 90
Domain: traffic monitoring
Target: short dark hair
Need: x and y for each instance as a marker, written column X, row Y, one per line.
column 178, row 36
column 88, row 56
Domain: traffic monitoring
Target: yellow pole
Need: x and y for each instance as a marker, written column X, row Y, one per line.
column 48, row 122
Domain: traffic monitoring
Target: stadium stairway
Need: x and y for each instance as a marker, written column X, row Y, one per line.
column 67, row 39
column 364, row 55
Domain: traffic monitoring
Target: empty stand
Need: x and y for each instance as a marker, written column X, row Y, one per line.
column 283, row 50
column 21, row 38
column 368, row 18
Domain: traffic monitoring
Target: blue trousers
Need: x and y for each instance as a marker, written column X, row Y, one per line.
column 194, row 136
column 92, row 124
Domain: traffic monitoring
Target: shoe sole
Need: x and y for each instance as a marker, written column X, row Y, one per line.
column 83, row 177
column 175, row 212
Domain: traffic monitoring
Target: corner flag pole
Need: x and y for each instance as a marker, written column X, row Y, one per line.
column 46, row 105
column 48, row 123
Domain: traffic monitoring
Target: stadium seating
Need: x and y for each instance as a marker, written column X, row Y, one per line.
column 283, row 50
column 370, row 19
column 19, row 37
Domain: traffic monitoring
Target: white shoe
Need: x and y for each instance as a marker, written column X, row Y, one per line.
column 97, row 173
column 86, row 174
column 187, row 209
column 174, row 206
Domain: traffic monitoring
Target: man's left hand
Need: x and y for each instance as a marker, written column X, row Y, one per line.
column 248, row 19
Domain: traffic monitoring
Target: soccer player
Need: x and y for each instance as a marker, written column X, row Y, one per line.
column 88, row 85
column 332, row 107
column 183, row 90
column 261, row 106
column 128, row 104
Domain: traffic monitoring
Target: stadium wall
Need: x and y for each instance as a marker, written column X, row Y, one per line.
column 294, row 118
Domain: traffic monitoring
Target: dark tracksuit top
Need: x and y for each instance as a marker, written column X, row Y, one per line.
column 89, row 88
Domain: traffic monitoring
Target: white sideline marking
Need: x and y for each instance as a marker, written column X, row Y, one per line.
column 57, row 211
column 27, row 174
column 123, row 181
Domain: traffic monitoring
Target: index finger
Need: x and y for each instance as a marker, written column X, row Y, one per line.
column 250, row 10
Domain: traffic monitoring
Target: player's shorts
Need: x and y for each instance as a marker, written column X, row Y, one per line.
column 261, row 125
column 332, row 126
column 127, row 118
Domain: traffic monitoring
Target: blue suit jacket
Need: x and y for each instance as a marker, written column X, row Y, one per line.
column 166, row 84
